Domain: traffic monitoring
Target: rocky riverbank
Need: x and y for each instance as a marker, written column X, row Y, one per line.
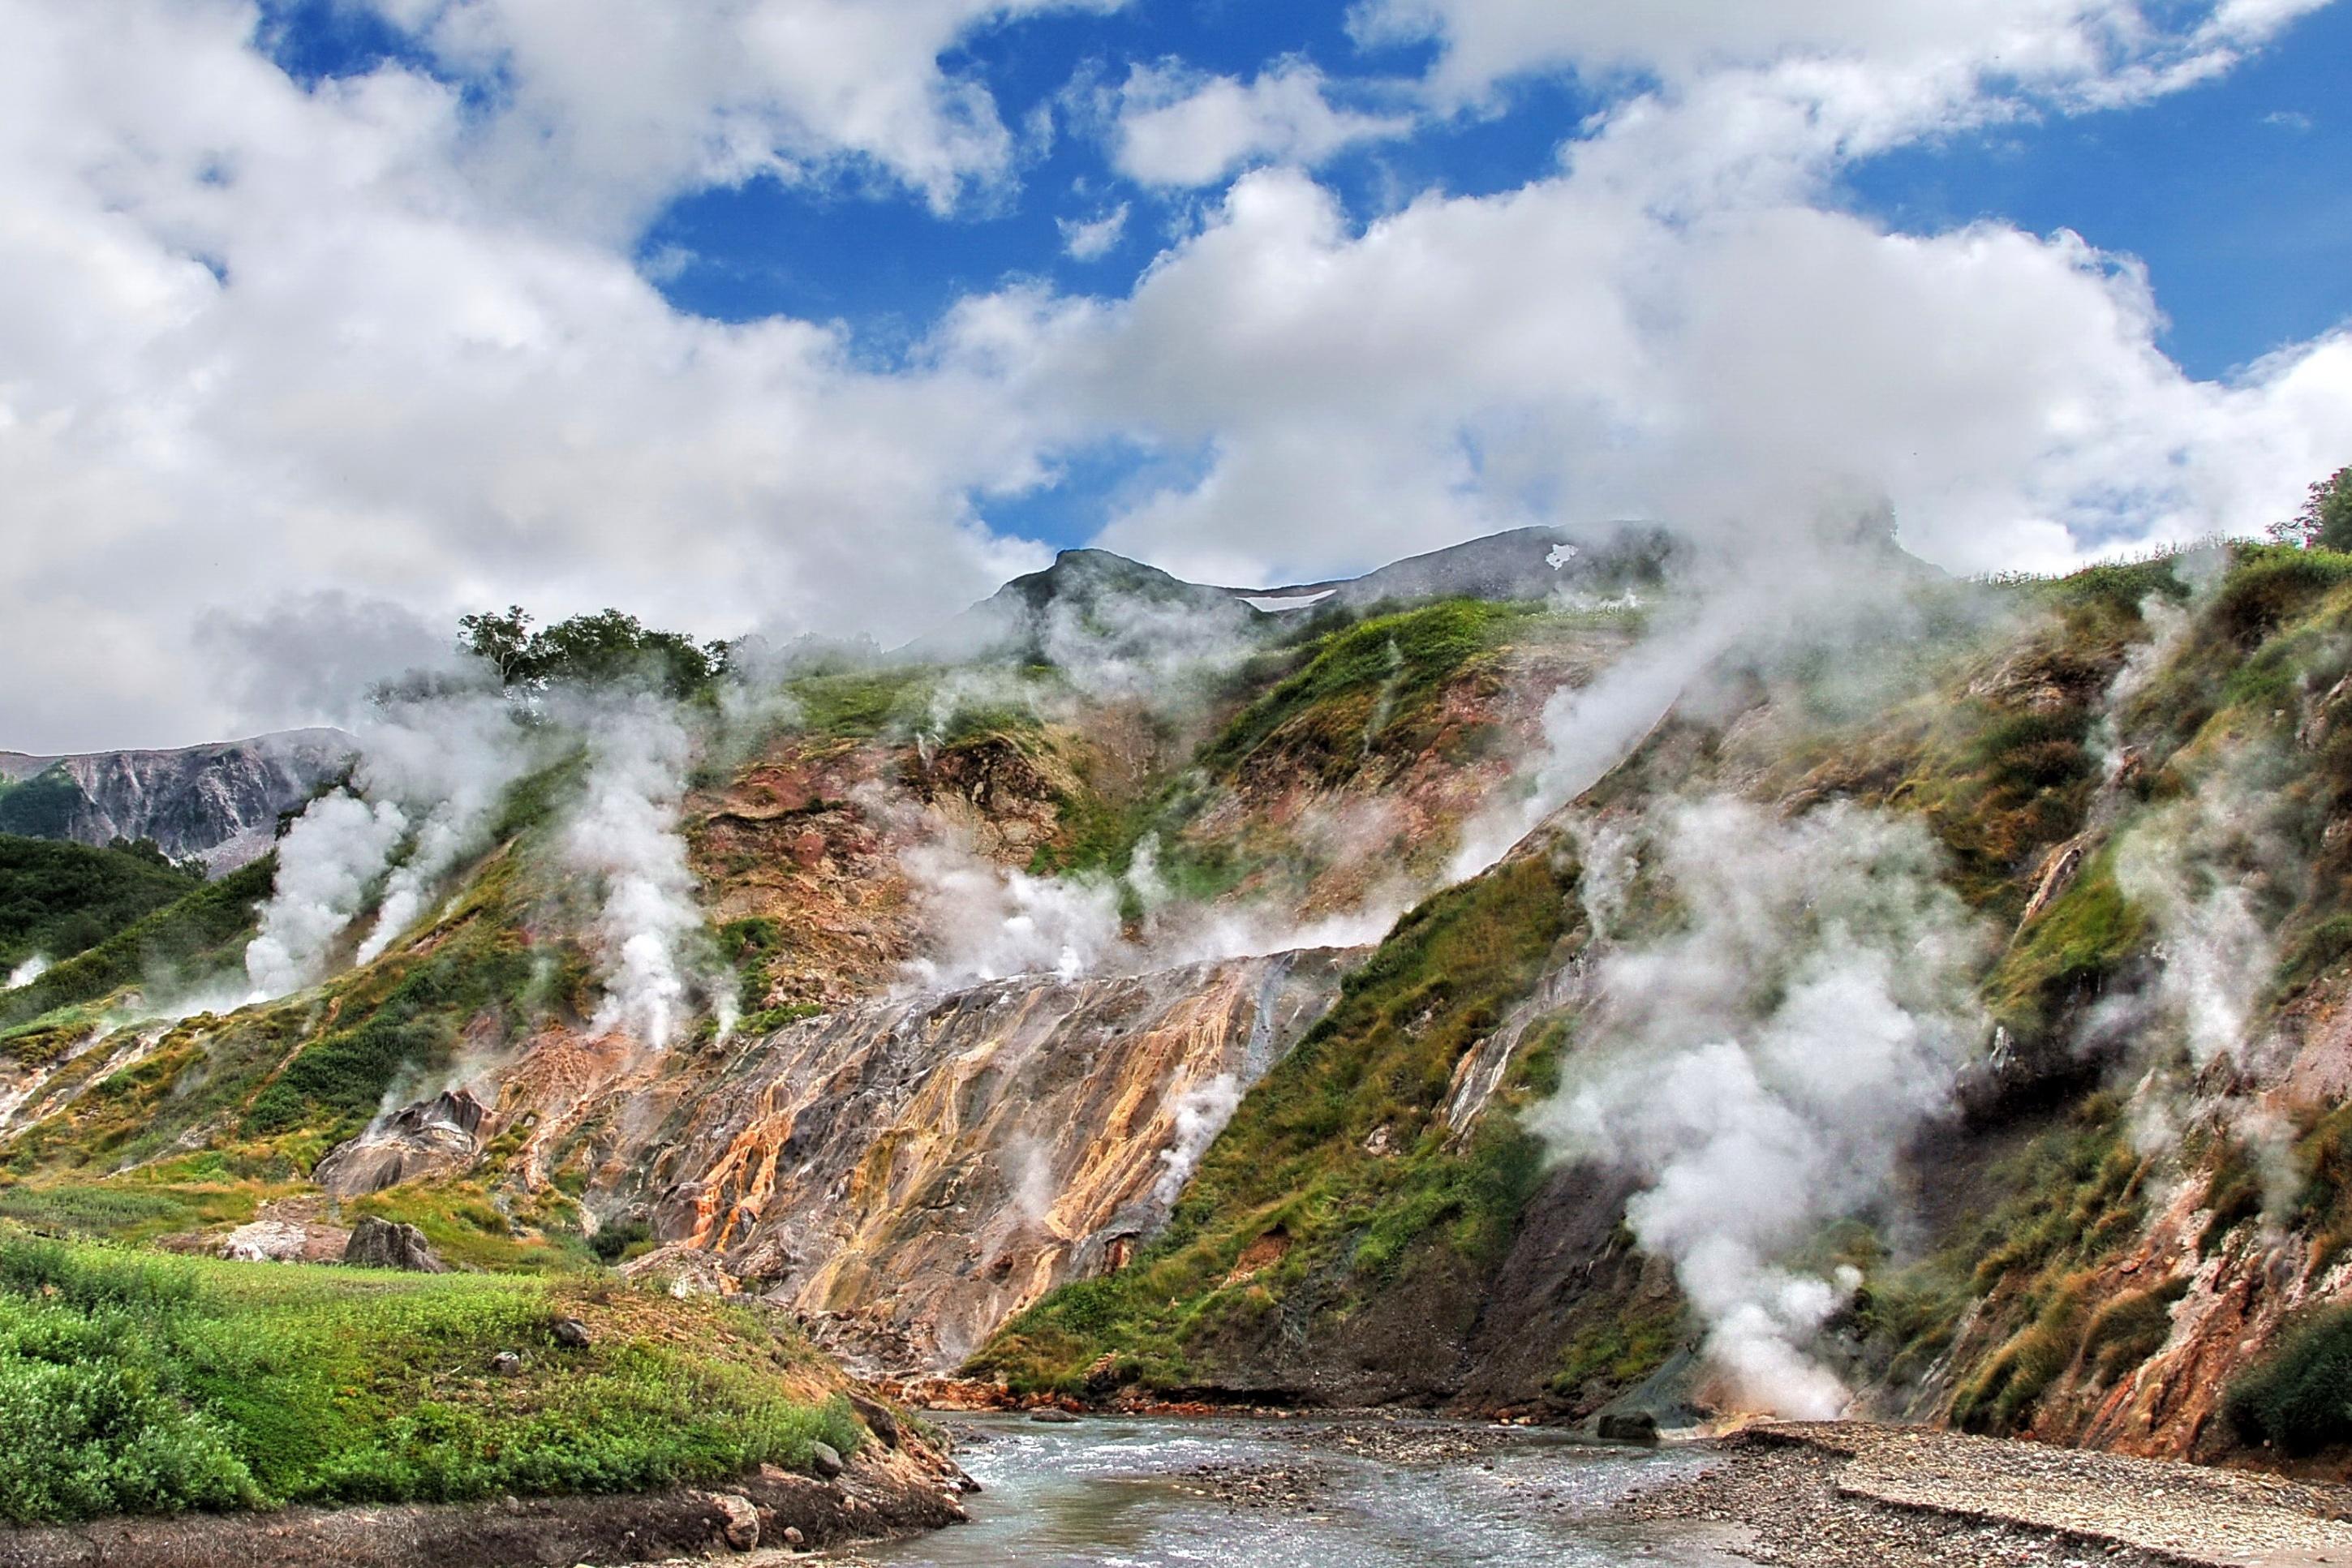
column 1850, row 1495
column 894, row 1491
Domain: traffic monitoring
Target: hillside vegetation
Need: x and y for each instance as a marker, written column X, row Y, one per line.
column 2132, row 1197
column 58, row 899
column 135, row 1383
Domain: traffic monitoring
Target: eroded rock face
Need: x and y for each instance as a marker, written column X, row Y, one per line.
column 217, row 802
column 432, row 1137
column 382, row 1244
column 924, row 1167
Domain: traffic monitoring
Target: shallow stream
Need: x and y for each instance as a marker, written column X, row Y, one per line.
column 1140, row 1493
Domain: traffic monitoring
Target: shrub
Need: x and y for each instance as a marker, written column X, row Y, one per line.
column 2299, row 1399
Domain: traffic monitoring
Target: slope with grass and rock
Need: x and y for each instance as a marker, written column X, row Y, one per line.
column 1111, row 1020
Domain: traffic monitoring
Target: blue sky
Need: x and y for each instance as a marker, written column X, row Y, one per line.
column 2236, row 193
column 829, row 314
column 2233, row 193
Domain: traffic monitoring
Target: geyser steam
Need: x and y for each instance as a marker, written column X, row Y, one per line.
column 625, row 836
column 327, row 864
column 1761, row 1067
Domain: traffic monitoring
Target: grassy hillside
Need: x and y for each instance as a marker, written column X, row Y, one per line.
column 58, row 899
column 2057, row 748
column 202, row 931
column 135, row 1384
column 1337, row 1181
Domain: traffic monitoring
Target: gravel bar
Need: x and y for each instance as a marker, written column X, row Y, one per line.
column 1850, row 1495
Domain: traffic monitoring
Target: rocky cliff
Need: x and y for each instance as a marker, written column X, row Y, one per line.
column 218, row 804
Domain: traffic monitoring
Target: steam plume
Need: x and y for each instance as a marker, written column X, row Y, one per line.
column 328, row 863
column 1761, row 1067
column 1202, row 1113
column 450, row 759
column 26, row 973
column 625, row 836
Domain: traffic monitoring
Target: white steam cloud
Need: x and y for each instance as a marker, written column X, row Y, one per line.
column 989, row 922
column 1761, row 1067
column 431, row 773
column 1588, row 730
column 451, row 759
column 986, row 922
column 26, row 973
column 328, row 863
column 1133, row 645
column 625, row 836
column 1201, row 1112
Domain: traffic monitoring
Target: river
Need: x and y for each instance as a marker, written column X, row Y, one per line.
column 1141, row 1493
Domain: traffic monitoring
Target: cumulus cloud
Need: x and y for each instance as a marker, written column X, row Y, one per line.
column 609, row 106
column 386, row 335
column 1090, row 239
column 261, row 340
column 1175, row 126
column 1938, row 51
column 1597, row 344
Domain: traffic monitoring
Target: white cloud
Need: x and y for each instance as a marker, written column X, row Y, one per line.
column 606, row 106
column 1175, row 128
column 400, row 388
column 1088, row 239
column 1681, row 323
column 1939, row 54
column 262, row 344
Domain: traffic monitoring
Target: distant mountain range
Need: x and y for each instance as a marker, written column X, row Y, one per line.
column 220, row 803
column 217, row 803
column 1097, row 586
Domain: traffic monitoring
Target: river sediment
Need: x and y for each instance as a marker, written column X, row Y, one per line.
column 1854, row 1495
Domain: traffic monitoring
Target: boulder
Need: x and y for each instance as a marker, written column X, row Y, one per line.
column 825, row 1459
column 1052, row 1415
column 571, row 1333
column 1627, row 1427
column 383, row 1244
column 439, row 1136
column 878, row 1418
column 506, row 1364
column 272, row 1239
column 741, row 1530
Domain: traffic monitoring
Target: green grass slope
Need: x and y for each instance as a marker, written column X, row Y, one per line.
column 58, row 899
column 135, row 1384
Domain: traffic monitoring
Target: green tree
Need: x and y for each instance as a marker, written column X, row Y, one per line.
column 610, row 647
column 2325, row 520
column 504, row 641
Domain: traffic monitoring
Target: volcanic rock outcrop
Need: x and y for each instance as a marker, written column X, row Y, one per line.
column 931, row 1165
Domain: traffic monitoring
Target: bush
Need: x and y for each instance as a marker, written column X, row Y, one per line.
column 2299, row 1400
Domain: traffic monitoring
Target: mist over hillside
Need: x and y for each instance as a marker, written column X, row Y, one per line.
column 1618, row 985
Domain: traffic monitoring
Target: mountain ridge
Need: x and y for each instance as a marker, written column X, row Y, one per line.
column 216, row 802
